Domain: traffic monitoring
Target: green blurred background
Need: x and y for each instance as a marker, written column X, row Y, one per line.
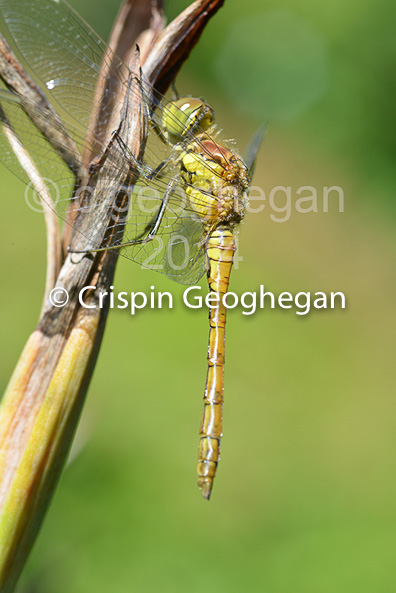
column 304, row 497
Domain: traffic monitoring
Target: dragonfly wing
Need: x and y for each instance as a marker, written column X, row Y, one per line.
column 17, row 128
column 64, row 54
column 175, row 247
column 184, row 259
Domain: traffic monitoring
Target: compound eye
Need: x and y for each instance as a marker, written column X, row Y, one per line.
column 176, row 116
column 189, row 104
column 192, row 111
column 185, row 115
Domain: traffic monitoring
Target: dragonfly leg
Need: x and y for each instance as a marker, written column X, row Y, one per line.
column 151, row 229
column 176, row 95
column 145, row 171
column 156, row 173
column 157, row 129
column 154, row 225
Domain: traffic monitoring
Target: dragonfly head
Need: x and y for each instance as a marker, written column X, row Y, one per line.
column 186, row 116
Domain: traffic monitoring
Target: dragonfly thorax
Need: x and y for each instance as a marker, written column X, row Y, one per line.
column 216, row 181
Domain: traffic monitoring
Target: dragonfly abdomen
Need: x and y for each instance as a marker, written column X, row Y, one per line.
column 220, row 248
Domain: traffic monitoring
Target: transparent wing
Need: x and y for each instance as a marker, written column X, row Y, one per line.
column 175, row 250
column 64, row 54
column 51, row 167
column 176, row 247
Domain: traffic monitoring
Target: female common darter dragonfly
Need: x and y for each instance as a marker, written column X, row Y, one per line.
column 182, row 213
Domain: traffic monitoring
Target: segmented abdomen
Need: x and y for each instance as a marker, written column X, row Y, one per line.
column 219, row 249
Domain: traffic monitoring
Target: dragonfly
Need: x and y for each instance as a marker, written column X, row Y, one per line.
column 191, row 192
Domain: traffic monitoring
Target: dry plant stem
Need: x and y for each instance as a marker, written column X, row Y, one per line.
column 40, row 409
column 125, row 27
column 176, row 41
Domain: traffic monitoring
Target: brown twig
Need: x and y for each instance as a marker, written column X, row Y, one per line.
column 174, row 44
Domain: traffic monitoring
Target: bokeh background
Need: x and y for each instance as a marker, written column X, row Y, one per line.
column 304, row 497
